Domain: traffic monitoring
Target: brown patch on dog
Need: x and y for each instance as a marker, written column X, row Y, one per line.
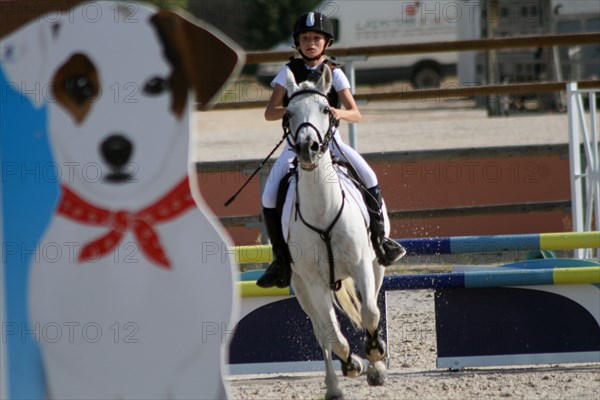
column 76, row 86
column 201, row 59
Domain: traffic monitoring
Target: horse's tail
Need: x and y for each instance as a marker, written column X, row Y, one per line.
column 347, row 300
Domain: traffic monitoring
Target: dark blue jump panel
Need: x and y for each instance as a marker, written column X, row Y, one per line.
column 280, row 332
column 416, row 246
column 423, row 281
column 512, row 321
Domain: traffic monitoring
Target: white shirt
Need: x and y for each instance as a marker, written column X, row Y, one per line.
column 340, row 81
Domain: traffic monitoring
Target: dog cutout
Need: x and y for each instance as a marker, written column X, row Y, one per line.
column 127, row 296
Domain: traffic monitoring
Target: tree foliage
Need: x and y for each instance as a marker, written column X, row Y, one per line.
column 271, row 21
column 254, row 24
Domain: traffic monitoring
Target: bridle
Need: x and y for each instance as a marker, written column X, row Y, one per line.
column 324, row 140
column 286, row 136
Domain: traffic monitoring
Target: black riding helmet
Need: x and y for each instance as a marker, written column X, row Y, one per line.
column 314, row 22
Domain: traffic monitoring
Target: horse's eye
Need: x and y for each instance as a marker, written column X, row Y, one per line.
column 80, row 88
column 326, row 110
column 155, row 86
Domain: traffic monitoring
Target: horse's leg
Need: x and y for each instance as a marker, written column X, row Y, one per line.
column 374, row 346
column 331, row 381
column 322, row 326
column 370, row 283
column 378, row 275
column 369, row 311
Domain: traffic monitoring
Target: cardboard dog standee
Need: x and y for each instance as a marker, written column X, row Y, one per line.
column 108, row 288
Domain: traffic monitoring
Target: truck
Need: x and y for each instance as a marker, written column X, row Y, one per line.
column 387, row 22
column 538, row 17
column 577, row 62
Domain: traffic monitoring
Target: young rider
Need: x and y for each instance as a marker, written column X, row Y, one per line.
column 313, row 33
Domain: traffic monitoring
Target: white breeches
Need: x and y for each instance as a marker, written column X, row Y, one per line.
column 282, row 166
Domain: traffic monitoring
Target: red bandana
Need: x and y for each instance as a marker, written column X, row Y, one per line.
column 119, row 222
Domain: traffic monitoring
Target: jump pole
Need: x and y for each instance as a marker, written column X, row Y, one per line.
column 460, row 245
column 463, row 280
column 535, row 311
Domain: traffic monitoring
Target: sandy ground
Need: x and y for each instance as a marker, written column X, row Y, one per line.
column 401, row 126
column 413, row 374
column 385, row 126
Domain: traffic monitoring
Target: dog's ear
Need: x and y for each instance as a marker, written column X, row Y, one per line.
column 24, row 59
column 26, row 40
column 207, row 58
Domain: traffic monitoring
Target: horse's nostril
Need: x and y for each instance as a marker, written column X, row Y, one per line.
column 116, row 150
column 314, row 146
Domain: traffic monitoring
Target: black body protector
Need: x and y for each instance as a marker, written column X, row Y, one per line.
column 301, row 74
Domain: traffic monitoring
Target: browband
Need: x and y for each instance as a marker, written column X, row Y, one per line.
column 307, row 91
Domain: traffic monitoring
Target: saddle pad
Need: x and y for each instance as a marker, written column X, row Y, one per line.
column 352, row 194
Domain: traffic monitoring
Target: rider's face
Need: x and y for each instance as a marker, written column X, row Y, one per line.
column 312, row 44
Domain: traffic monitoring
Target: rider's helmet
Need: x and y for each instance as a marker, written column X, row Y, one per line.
column 314, row 22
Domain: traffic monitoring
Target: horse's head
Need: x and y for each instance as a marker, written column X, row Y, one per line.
column 309, row 119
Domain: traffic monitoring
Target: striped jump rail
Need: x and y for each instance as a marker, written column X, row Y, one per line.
column 498, row 277
column 495, row 278
column 461, row 244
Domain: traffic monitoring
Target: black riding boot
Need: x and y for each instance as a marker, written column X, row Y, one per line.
column 388, row 251
column 279, row 272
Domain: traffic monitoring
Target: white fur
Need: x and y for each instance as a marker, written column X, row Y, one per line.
column 320, row 199
column 130, row 329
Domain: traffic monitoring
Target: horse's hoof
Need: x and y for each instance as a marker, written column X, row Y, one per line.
column 336, row 395
column 376, row 373
column 354, row 367
column 375, row 351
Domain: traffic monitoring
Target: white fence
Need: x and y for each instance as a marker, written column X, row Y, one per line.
column 585, row 177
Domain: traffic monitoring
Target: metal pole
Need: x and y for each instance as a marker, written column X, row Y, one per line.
column 575, row 163
column 594, row 164
column 492, row 17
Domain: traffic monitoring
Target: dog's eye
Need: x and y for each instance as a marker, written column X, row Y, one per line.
column 155, row 86
column 80, row 88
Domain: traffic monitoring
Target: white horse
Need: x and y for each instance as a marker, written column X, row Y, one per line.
column 323, row 216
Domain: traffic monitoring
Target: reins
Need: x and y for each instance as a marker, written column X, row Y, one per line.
column 325, row 235
column 324, row 140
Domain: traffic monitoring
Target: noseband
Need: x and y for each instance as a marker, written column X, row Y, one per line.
column 324, row 140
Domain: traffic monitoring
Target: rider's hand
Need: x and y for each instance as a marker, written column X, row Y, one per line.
column 336, row 114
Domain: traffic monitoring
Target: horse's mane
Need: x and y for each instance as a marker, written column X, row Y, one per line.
column 307, row 85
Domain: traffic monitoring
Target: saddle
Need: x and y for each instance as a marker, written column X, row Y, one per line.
column 349, row 179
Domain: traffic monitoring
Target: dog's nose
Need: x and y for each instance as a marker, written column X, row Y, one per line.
column 116, row 150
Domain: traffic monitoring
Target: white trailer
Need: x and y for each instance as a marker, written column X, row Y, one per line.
column 382, row 22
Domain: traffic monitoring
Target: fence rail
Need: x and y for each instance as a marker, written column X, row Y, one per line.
column 522, row 41
column 443, row 93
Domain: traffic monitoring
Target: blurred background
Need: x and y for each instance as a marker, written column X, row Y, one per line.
column 266, row 25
